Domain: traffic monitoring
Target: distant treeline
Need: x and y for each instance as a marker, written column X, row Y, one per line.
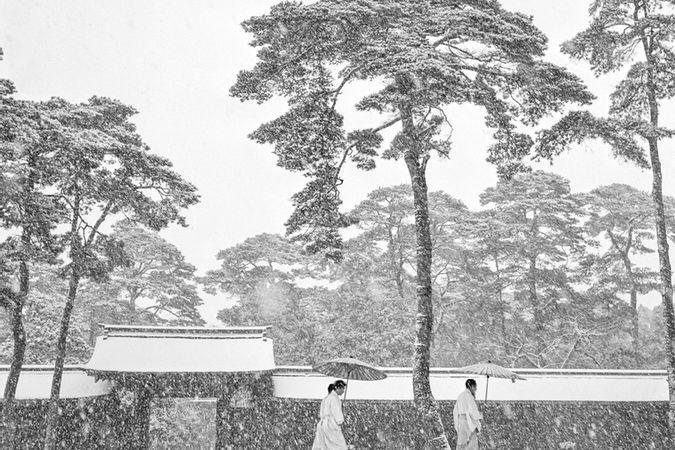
column 538, row 277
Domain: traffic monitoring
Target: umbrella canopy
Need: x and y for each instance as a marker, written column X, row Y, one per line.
column 350, row 368
column 490, row 370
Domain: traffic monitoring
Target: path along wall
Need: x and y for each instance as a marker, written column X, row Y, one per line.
column 391, row 425
column 551, row 410
column 101, row 423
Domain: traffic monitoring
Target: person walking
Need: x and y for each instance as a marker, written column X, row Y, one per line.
column 328, row 431
column 467, row 418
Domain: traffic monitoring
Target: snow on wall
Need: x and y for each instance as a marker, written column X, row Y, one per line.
column 303, row 383
column 540, row 385
column 35, row 383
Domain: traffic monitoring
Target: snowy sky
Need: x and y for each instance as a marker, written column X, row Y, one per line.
column 175, row 61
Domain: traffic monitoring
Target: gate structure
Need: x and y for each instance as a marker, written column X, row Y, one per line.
column 233, row 365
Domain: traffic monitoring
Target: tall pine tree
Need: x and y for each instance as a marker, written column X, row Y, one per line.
column 418, row 57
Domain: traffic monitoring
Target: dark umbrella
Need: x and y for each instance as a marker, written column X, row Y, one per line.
column 350, row 369
column 490, row 370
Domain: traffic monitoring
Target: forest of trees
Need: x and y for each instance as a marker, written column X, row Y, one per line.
column 538, row 276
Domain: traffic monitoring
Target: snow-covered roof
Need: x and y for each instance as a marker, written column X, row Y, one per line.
column 446, row 384
column 146, row 349
column 35, row 383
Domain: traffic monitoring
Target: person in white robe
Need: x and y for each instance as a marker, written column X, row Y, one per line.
column 328, row 432
column 467, row 418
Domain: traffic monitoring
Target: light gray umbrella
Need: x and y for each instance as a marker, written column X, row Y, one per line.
column 349, row 369
column 490, row 370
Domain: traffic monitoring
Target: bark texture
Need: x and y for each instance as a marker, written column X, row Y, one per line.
column 424, row 400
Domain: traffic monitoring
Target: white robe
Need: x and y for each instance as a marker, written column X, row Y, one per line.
column 328, row 432
column 467, row 419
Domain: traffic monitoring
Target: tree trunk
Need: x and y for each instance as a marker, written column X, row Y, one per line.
column 635, row 326
column 18, row 352
column 424, row 399
column 19, row 346
column 93, row 326
column 536, row 309
column 53, row 410
column 665, row 273
column 17, row 305
column 500, row 297
column 396, row 261
column 628, row 265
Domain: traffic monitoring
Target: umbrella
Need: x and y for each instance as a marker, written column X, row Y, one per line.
column 350, row 369
column 490, row 370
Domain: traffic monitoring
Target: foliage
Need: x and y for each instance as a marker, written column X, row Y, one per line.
column 384, row 219
column 310, row 322
column 423, row 55
column 541, row 237
column 623, row 33
column 635, row 36
column 28, row 212
column 96, row 166
column 158, row 274
column 25, row 172
column 624, row 217
column 575, row 315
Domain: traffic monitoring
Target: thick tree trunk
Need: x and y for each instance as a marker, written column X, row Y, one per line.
column 665, row 273
column 18, row 334
column 19, row 350
column 17, row 305
column 52, row 418
column 424, row 399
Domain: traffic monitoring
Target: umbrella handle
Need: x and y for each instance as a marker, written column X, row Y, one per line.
column 486, row 386
column 349, row 372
